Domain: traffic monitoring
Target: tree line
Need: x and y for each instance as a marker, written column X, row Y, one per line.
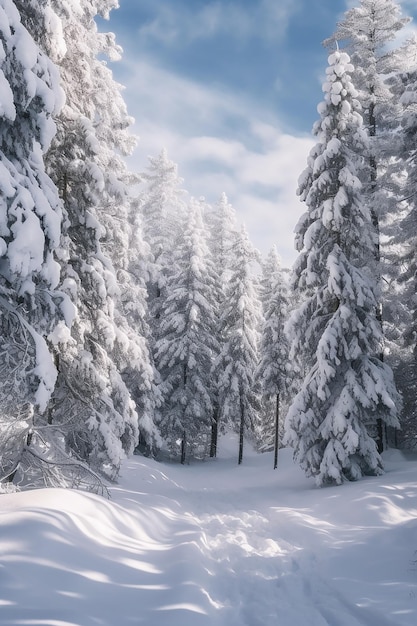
column 136, row 318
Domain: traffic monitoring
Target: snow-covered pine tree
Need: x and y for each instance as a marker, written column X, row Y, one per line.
column 406, row 241
column 187, row 341
column 238, row 360
column 122, row 241
column 91, row 402
column 372, row 34
column 274, row 369
column 30, row 230
column 336, row 328
column 222, row 226
column 162, row 208
column 369, row 32
column 139, row 373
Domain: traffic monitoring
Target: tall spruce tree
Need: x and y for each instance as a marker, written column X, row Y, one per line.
column 91, row 398
column 30, row 230
column 239, row 354
column 406, row 241
column 222, row 228
column 187, row 341
column 222, row 225
column 337, row 327
column 273, row 371
column 162, row 209
column 372, row 34
column 138, row 371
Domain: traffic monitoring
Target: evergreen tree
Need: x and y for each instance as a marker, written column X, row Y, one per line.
column 139, row 372
column 336, row 327
column 406, row 241
column 371, row 33
column 238, row 359
column 368, row 31
column 187, row 341
column 273, row 371
column 222, row 227
column 91, row 398
column 30, row 230
column 162, row 210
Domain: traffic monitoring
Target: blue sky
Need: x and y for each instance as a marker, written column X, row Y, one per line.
column 230, row 88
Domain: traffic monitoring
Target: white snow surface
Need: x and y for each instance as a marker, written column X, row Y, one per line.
column 214, row 544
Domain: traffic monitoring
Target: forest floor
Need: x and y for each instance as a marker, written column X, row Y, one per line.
column 214, row 544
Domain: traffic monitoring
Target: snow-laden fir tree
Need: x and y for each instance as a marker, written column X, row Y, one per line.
column 336, row 328
column 122, row 241
column 162, row 208
column 274, row 372
column 222, row 227
column 139, row 373
column 373, row 34
column 187, row 341
column 92, row 403
column 236, row 365
column 406, row 240
column 30, row 230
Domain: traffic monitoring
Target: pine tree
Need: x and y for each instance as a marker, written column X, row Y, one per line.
column 222, row 227
column 273, row 371
column 406, row 240
column 372, row 33
column 336, row 327
column 139, row 373
column 238, row 359
column 187, row 341
column 369, row 32
column 91, row 401
column 162, row 208
column 30, row 231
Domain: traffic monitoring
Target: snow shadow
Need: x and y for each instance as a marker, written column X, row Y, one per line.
column 105, row 566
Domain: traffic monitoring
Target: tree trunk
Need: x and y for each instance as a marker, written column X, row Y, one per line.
column 241, row 430
column 381, row 431
column 276, row 442
column 214, row 433
column 29, row 437
column 184, row 437
column 183, row 447
column 51, row 407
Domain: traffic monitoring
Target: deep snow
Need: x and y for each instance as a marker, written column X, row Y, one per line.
column 214, row 544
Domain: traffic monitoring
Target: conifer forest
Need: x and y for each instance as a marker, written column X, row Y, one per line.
column 137, row 320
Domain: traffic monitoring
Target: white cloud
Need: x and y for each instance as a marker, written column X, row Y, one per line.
column 276, row 16
column 184, row 23
column 221, row 143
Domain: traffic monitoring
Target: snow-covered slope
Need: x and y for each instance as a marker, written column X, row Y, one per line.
column 214, row 544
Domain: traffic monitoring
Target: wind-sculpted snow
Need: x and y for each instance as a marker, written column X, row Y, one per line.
column 213, row 544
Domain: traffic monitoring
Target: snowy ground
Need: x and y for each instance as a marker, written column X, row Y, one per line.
column 213, row 544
